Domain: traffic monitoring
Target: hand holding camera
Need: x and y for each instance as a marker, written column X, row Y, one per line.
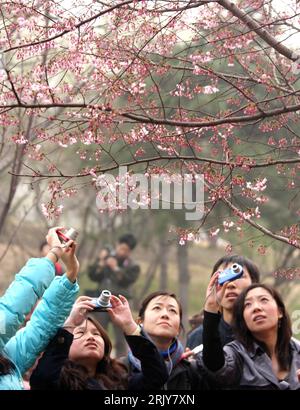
column 63, row 246
column 118, row 309
column 120, row 314
column 70, row 235
column 218, row 284
column 81, row 307
column 53, row 240
column 112, row 263
column 232, row 273
column 211, row 303
column 71, row 262
column 57, row 239
column 189, row 353
column 102, row 303
column 107, row 257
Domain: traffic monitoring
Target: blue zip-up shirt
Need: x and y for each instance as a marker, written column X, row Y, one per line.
column 21, row 296
column 25, row 347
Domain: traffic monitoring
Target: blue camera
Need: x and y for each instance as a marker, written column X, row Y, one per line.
column 102, row 303
column 234, row 272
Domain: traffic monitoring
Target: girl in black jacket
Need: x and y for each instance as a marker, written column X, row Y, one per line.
column 79, row 357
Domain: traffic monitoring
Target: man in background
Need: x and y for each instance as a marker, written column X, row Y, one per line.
column 115, row 271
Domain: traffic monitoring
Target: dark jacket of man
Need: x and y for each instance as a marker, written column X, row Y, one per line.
column 118, row 282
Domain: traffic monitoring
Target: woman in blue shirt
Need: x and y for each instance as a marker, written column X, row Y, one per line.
column 19, row 349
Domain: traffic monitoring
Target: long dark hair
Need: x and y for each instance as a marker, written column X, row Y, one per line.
column 153, row 295
column 6, row 365
column 284, row 332
column 111, row 373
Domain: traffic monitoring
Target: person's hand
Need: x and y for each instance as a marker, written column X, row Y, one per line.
column 187, row 353
column 56, row 249
column 298, row 374
column 52, row 238
column 120, row 314
column 70, row 260
column 81, row 307
column 214, row 294
column 112, row 262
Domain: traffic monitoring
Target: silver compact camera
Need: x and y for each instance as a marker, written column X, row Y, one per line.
column 102, row 303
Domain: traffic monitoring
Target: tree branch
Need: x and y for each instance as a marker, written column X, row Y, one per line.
column 253, row 25
column 76, row 26
column 230, row 164
column 153, row 120
column 260, row 227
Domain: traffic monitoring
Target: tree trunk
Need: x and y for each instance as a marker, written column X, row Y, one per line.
column 150, row 275
column 164, row 264
column 13, row 185
column 184, row 279
column 84, row 226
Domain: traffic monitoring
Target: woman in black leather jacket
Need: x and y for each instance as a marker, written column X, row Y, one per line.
column 264, row 355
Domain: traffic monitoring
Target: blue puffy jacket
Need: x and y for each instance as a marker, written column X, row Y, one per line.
column 21, row 296
column 50, row 314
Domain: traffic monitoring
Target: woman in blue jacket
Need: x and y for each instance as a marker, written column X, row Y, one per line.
column 18, row 353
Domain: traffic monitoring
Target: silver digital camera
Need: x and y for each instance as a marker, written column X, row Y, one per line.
column 102, row 303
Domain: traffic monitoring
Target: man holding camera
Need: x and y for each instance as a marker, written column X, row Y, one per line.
column 250, row 275
column 116, row 271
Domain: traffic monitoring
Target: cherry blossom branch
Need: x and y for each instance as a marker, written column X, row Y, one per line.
column 191, row 5
column 227, row 120
column 13, row 87
column 98, row 170
column 253, row 25
column 153, row 120
column 75, row 27
column 223, row 76
column 260, row 227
